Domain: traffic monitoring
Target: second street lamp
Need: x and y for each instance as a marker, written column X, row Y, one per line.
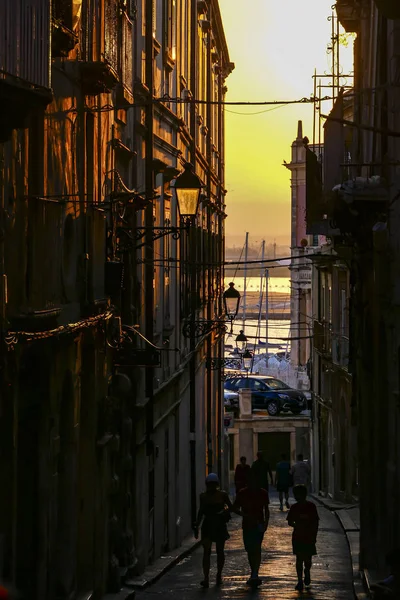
column 247, row 361
column 231, row 298
column 241, row 342
column 201, row 327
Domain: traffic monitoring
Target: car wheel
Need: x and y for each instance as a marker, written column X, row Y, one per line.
column 273, row 408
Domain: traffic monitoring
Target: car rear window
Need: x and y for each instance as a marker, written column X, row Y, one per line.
column 276, row 384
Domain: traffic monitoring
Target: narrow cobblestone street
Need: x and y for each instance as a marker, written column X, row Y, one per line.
column 331, row 572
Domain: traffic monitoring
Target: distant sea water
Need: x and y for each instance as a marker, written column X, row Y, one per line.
column 275, row 284
column 278, row 331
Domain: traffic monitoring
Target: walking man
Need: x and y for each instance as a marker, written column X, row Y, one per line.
column 282, row 480
column 214, row 513
column 303, row 517
column 242, row 473
column 252, row 504
column 301, row 472
column 261, row 469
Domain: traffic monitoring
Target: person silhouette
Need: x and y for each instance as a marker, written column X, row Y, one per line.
column 213, row 516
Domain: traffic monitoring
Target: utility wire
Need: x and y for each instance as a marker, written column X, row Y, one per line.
column 250, row 262
column 167, row 99
column 305, row 100
column 259, row 112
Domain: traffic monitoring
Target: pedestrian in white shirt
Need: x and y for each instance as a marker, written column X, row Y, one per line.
column 301, row 472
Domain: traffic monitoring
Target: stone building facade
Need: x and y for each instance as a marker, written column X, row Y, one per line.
column 302, row 245
column 335, row 456
column 363, row 211
column 179, row 431
column 107, row 401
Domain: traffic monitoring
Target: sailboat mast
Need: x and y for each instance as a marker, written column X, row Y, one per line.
column 266, row 309
column 246, row 255
column 261, row 287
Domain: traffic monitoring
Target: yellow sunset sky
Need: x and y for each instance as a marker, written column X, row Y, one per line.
column 275, row 46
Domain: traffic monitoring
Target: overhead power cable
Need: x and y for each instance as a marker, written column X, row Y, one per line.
column 247, row 262
column 305, row 100
column 168, row 100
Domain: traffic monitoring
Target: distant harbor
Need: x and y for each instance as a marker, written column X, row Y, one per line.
column 274, row 315
column 254, row 304
column 254, row 301
column 254, row 269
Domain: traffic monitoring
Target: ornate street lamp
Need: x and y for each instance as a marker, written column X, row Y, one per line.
column 188, row 187
column 231, row 298
column 241, row 342
column 247, row 361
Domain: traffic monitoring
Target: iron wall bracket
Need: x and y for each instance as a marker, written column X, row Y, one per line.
column 195, row 329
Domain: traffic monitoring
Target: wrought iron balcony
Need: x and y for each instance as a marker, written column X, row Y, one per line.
column 355, row 205
column 126, row 54
column 25, row 62
column 98, row 76
column 214, row 364
column 66, row 15
column 101, row 70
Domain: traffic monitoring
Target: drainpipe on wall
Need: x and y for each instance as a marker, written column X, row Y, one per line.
column 192, row 362
column 221, row 249
column 210, row 279
column 149, row 252
column 3, row 282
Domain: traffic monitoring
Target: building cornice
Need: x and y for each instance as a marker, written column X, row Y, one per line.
column 218, row 30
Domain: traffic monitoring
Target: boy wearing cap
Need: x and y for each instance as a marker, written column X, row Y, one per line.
column 213, row 515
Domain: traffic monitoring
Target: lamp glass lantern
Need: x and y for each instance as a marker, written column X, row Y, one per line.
column 188, row 187
column 241, row 341
column 247, row 360
column 231, row 298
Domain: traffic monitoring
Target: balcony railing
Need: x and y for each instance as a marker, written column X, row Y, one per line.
column 66, row 15
column 24, row 62
column 323, row 338
column 126, row 52
column 340, row 350
column 25, row 41
column 101, row 71
column 111, row 19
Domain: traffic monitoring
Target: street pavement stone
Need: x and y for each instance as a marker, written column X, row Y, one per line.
column 331, row 573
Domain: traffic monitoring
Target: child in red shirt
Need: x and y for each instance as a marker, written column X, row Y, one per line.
column 303, row 517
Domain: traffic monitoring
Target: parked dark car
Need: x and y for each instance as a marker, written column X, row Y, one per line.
column 268, row 393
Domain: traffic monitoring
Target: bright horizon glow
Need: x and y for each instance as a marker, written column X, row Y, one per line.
column 275, row 49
